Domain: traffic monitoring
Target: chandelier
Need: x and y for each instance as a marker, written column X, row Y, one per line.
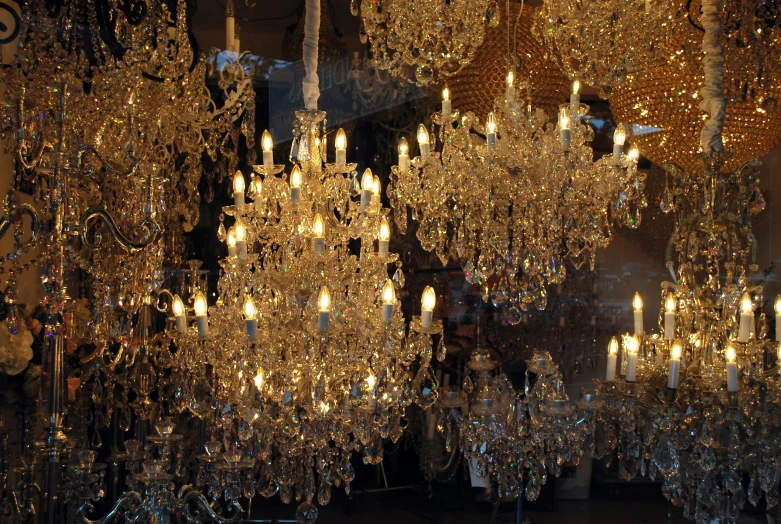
column 601, row 43
column 473, row 204
column 663, row 101
column 423, row 41
column 688, row 403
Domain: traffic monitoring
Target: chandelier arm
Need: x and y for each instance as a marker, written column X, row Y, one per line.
column 189, row 495
column 126, row 499
column 20, row 209
column 86, row 149
column 89, row 218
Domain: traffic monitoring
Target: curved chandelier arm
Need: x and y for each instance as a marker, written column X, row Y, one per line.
column 14, row 218
column 190, row 496
column 128, row 499
column 82, row 151
column 35, row 157
column 91, row 218
column 166, row 299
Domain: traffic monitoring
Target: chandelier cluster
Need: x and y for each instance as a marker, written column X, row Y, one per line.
column 511, row 198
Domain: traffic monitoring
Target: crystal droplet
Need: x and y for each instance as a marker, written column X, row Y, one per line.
column 306, row 513
column 14, row 322
column 221, row 235
column 467, row 384
column 469, row 271
column 441, row 349
column 398, row 277
column 354, row 7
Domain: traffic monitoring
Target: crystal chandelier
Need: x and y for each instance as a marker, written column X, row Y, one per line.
column 694, row 404
column 473, row 204
column 601, row 43
column 663, row 100
column 425, row 40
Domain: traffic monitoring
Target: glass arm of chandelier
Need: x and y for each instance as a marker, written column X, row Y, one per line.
column 86, row 169
column 13, row 217
column 129, row 500
column 189, row 497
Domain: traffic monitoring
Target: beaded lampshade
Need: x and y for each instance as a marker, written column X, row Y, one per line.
column 663, row 103
column 478, row 84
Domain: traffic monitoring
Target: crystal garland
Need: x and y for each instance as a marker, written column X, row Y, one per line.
column 474, row 205
column 423, row 40
column 696, row 402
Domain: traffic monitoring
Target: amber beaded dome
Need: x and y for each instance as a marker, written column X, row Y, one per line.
column 477, row 85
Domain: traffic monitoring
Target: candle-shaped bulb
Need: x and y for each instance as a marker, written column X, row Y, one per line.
column 510, row 79
column 576, row 87
column 240, row 231
column 746, row 306
column 633, row 154
column 778, row 354
column 777, row 305
column 249, row 308
column 371, row 380
column 633, row 344
column 676, row 351
column 612, row 348
column 340, row 142
column 324, row 300
column 178, row 306
column 637, row 302
column 422, row 135
column 670, row 303
column 384, row 229
column 388, row 293
column 266, row 142
column 730, row 354
column 376, row 186
column 619, row 137
column 231, row 239
column 446, row 94
column 403, row 147
column 258, row 379
column 238, row 188
column 367, row 180
column 429, row 299
column 563, row 120
column 295, row 178
column 200, row 306
column 319, row 226
column 491, row 123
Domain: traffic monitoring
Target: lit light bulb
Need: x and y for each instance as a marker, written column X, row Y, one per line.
column 428, row 301
column 563, row 120
column 249, row 308
column 388, row 293
column 510, row 79
column 778, row 353
column 633, row 344
column 612, row 348
column 490, row 127
column 266, row 142
column 403, row 146
column 238, row 182
column 240, row 232
column 619, row 137
column 423, row 135
column 564, row 133
column 403, row 154
column 384, row 229
column 730, row 354
column 231, row 239
column 446, row 104
column 295, row 185
column 376, row 188
column 746, row 306
column 319, row 230
column 509, row 91
column 777, row 305
column 634, row 153
column 340, row 142
column 637, row 302
column 491, row 123
column 258, row 380
column 367, row 184
column 178, row 306
column 612, row 359
column 670, row 303
column 676, row 351
column 383, row 237
column 371, row 380
column 257, row 187
column 446, row 94
column 324, row 300
column 200, row 306
column 576, row 87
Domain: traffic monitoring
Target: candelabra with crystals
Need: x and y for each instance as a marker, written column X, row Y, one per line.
column 306, row 351
column 512, row 198
column 507, row 436
column 426, row 40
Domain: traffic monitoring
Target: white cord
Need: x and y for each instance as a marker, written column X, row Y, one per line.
column 713, row 101
column 311, row 38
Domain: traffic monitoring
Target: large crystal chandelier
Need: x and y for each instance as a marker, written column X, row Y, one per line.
column 600, row 43
column 306, row 355
column 425, row 40
column 511, row 198
column 695, row 403
column 663, row 102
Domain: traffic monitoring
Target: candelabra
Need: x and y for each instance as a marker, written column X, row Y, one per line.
column 694, row 403
column 424, row 41
column 474, row 204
